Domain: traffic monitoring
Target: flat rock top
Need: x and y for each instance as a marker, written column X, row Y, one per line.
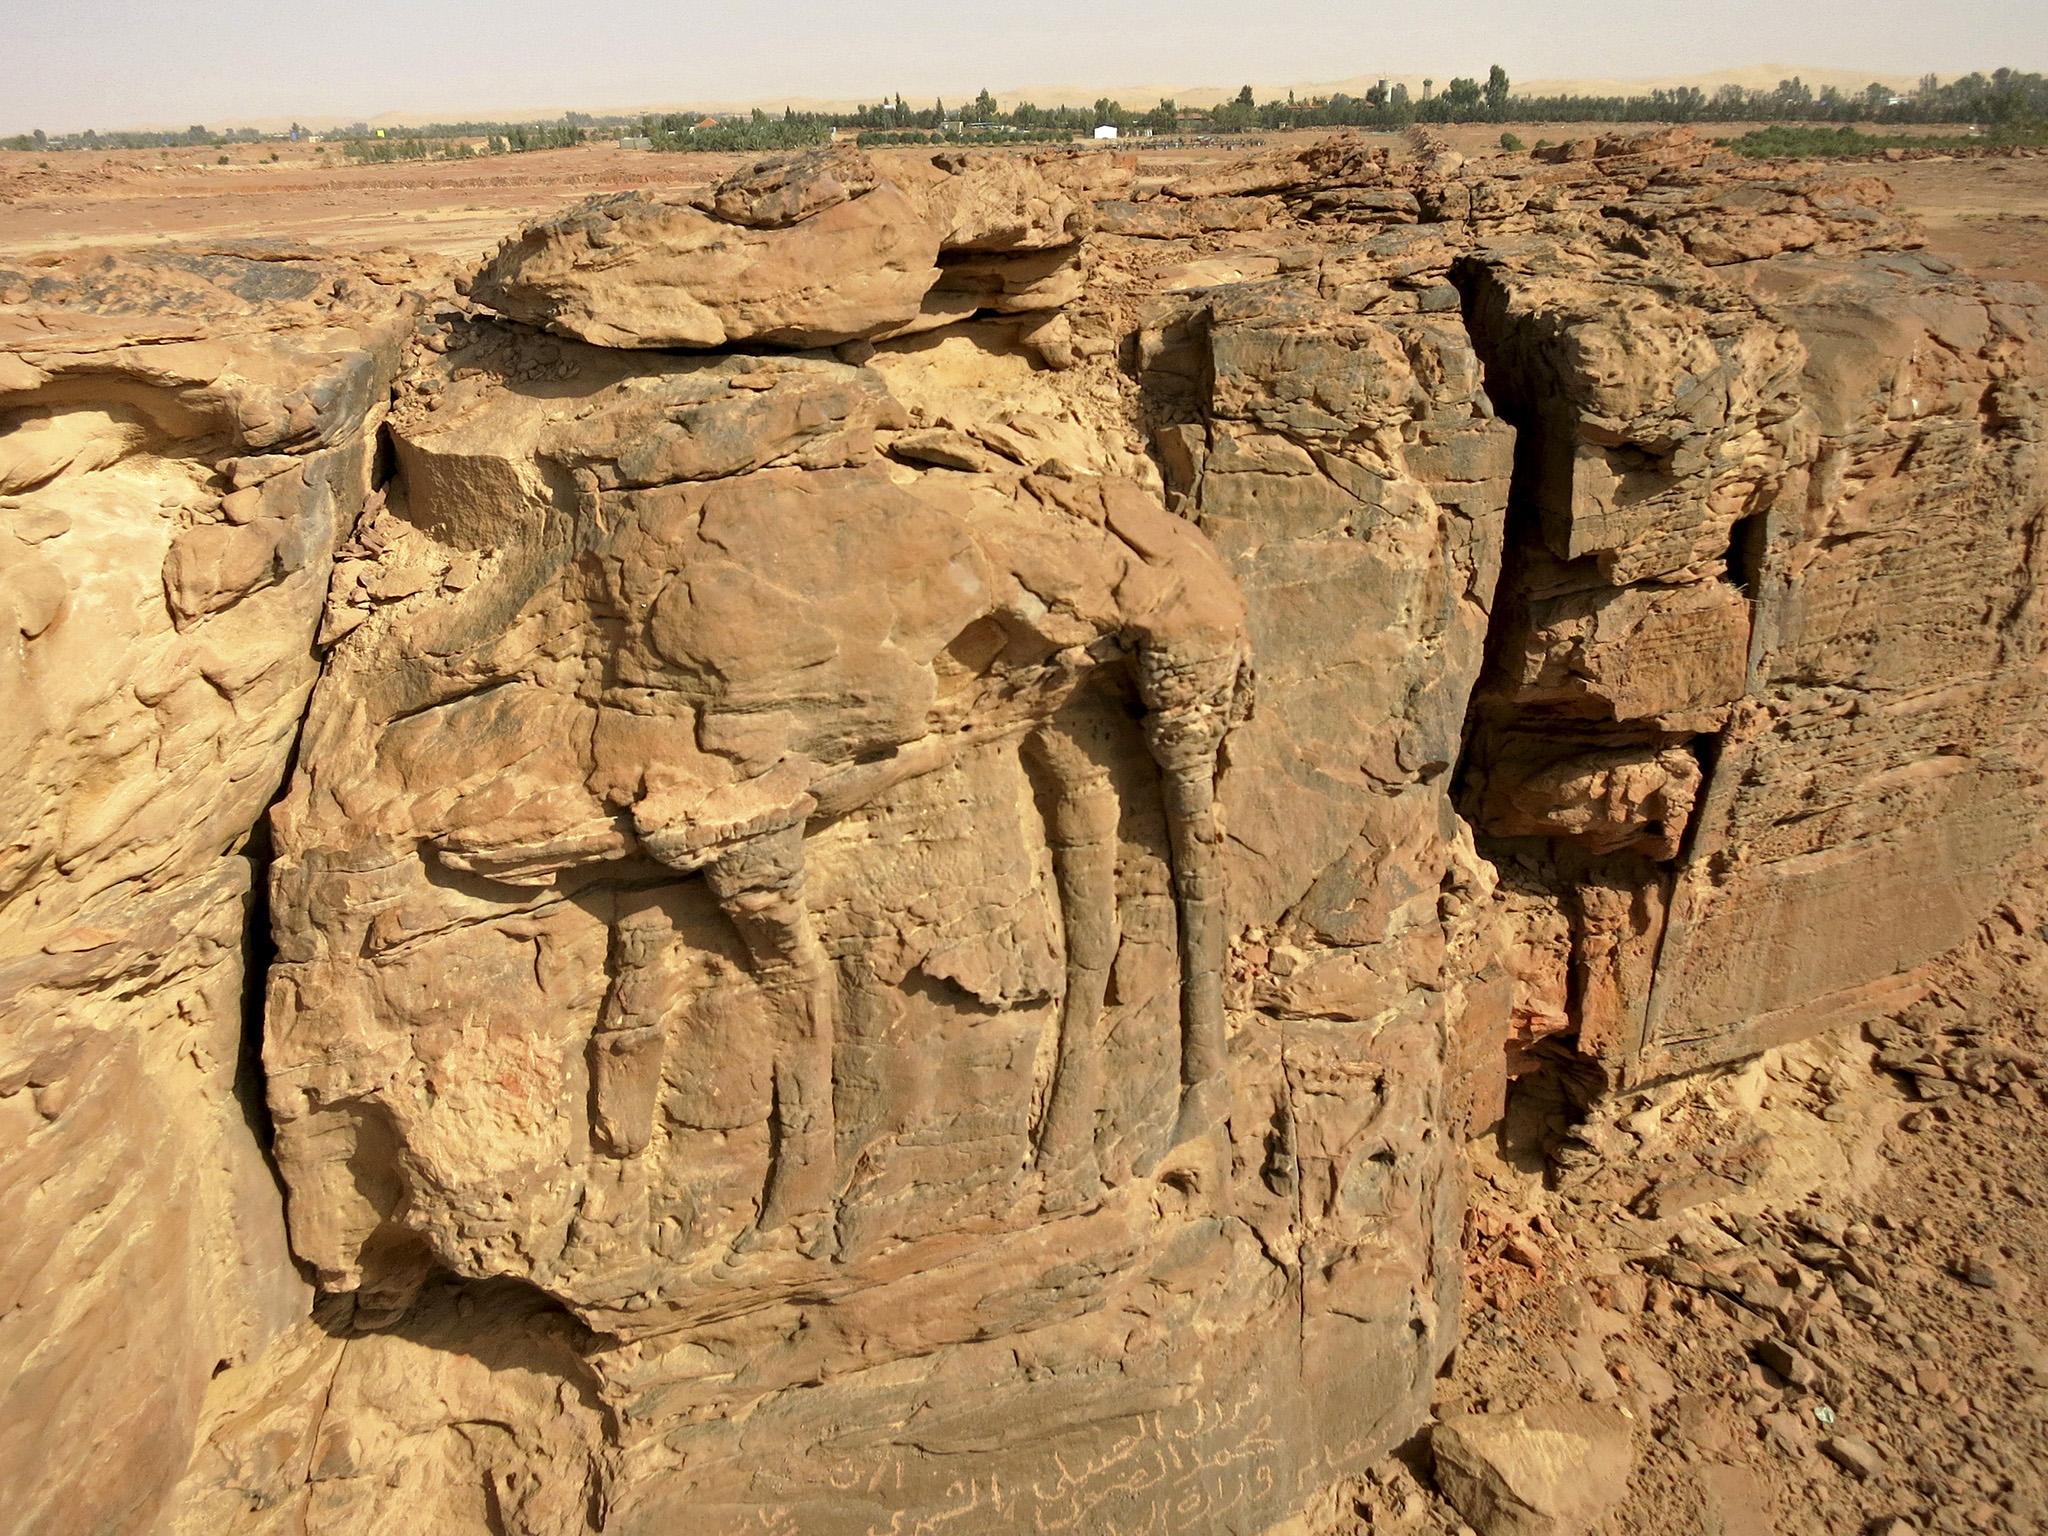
column 276, row 346
column 182, row 292
column 809, row 251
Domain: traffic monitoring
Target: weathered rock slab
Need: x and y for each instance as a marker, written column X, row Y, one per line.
column 1550, row 1469
column 830, row 248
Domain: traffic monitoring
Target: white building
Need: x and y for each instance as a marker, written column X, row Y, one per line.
column 1106, row 131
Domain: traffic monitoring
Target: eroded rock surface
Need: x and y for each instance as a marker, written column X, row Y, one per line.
column 1550, row 1469
column 1779, row 520
column 933, row 1053
column 184, row 438
column 904, row 935
column 807, row 253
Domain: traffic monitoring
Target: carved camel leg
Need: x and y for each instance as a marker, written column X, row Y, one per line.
column 1191, row 702
column 632, row 1028
column 760, row 883
column 1084, row 815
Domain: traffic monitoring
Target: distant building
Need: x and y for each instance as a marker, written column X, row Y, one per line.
column 708, row 122
column 1106, row 131
column 635, row 141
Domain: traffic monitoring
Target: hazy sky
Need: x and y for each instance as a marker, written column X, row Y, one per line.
column 71, row 64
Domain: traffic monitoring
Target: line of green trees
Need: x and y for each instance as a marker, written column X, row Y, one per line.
column 894, row 115
column 792, row 130
column 502, row 137
column 197, row 134
column 387, row 151
column 2004, row 98
column 447, row 141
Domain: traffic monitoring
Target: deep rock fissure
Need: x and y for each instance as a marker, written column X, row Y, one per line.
column 1522, row 529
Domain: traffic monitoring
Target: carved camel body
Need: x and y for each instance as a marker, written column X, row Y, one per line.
column 777, row 650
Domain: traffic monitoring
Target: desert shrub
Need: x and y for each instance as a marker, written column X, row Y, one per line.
column 1509, row 142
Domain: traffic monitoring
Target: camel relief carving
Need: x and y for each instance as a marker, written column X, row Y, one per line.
column 760, row 703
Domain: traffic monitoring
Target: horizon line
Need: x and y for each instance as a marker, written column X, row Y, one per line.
column 1623, row 86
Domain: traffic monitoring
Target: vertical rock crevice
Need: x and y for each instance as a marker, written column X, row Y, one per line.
column 184, row 438
column 1581, row 805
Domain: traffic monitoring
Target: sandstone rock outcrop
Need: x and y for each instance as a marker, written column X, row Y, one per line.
column 184, row 439
column 662, row 673
column 941, row 1117
column 808, row 253
column 894, row 936
column 1714, row 471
